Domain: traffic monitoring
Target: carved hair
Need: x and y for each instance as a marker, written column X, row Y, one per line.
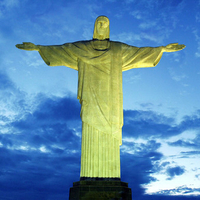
column 107, row 35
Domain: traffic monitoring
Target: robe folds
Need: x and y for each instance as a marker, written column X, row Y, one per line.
column 100, row 65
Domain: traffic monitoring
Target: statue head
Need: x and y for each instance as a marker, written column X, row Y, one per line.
column 101, row 28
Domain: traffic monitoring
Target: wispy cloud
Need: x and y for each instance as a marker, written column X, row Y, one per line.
column 175, row 76
column 190, row 144
column 175, row 171
column 7, row 5
column 44, row 139
column 157, row 125
column 38, row 144
column 40, row 134
column 197, row 38
column 181, row 190
column 138, row 14
column 147, row 123
column 127, row 37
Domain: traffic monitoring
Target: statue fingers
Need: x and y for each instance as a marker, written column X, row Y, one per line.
column 182, row 46
column 28, row 43
column 20, row 46
column 26, row 46
column 172, row 46
column 179, row 47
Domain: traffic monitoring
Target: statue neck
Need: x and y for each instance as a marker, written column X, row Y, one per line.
column 100, row 44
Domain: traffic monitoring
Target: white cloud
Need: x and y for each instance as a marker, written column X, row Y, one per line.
column 137, row 14
column 132, row 77
column 9, row 3
column 148, row 24
column 198, row 17
column 88, row 32
column 197, row 38
column 175, row 76
column 151, row 37
column 43, row 149
column 127, row 37
column 189, row 178
column 157, row 36
column 188, row 134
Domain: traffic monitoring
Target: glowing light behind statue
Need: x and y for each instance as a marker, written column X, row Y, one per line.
column 100, row 63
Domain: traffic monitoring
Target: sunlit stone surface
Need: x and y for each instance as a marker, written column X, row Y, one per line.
column 100, row 63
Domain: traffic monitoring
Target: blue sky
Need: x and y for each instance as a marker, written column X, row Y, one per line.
column 40, row 126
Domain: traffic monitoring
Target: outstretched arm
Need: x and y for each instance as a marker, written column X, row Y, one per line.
column 53, row 55
column 173, row 47
column 28, row 46
column 134, row 57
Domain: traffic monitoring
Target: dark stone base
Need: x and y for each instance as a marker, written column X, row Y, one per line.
column 100, row 190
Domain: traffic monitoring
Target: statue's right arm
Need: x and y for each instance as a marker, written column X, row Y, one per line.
column 28, row 46
column 53, row 55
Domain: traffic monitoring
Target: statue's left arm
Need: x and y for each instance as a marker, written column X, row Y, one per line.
column 173, row 47
column 134, row 57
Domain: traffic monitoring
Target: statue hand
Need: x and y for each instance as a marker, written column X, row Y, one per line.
column 27, row 46
column 173, row 47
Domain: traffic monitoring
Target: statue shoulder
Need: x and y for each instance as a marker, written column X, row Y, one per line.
column 117, row 43
column 78, row 43
column 121, row 45
column 81, row 45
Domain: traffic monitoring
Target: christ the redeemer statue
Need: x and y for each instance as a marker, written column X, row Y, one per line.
column 100, row 63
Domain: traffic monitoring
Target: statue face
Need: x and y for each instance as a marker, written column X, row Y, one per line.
column 102, row 26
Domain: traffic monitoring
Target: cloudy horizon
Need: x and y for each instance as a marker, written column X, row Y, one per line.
column 40, row 126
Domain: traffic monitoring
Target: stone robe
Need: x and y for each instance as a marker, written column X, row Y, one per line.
column 100, row 65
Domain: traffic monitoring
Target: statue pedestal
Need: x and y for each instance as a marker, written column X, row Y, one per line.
column 100, row 190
